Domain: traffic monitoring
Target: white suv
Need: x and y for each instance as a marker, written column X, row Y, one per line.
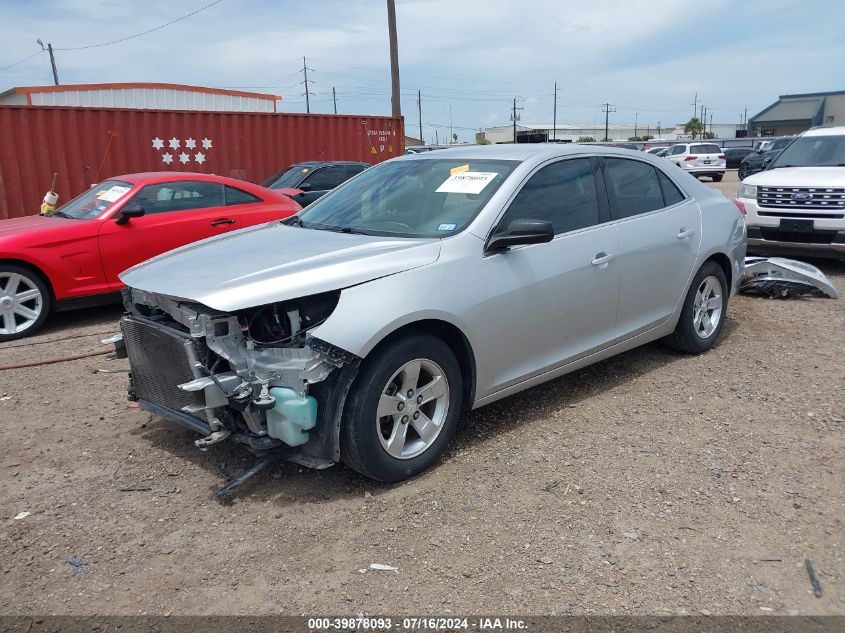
column 797, row 205
column 699, row 158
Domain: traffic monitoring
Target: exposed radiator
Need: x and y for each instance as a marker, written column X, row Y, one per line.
column 160, row 358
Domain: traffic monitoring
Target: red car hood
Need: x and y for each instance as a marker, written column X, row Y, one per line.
column 33, row 223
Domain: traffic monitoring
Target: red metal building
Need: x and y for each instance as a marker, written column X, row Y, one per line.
column 85, row 145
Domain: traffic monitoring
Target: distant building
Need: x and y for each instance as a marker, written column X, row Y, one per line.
column 615, row 131
column 793, row 114
column 153, row 96
column 411, row 141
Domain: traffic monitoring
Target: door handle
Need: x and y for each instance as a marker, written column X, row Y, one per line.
column 602, row 258
column 223, row 221
column 685, row 233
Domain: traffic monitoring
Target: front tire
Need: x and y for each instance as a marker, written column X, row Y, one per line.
column 703, row 314
column 717, row 177
column 25, row 302
column 742, row 172
column 402, row 409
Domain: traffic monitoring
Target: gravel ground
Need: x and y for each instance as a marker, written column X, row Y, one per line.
column 649, row 483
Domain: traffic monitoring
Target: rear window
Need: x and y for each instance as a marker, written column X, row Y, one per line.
column 705, row 149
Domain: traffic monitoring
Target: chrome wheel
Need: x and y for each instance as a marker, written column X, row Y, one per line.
column 21, row 303
column 707, row 309
column 412, row 408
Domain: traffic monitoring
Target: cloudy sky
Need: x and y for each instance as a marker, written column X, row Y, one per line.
column 647, row 57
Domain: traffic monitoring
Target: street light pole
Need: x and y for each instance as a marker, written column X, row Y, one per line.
column 394, row 59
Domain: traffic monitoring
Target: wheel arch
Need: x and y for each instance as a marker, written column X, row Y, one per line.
column 724, row 263
column 453, row 337
column 36, row 270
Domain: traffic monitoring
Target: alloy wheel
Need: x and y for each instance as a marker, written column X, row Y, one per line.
column 21, row 303
column 412, row 408
column 707, row 309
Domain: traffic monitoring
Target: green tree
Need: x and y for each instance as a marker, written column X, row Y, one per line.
column 586, row 139
column 709, row 135
column 693, row 126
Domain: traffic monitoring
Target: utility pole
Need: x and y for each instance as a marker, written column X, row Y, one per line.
column 394, row 59
column 659, row 133
column 307, row 94
column 711, row 123
column 695, row 106
column 636, row 116
column 606, row 108
column 52, row 59
column 554, row 117
column 451, row 133
column 436, row 138
column 701, row 119
column 334, row 99
column 53, row 64
column 419, row 111
column 515, row 117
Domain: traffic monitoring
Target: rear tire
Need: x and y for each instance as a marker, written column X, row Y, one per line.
column 742, row 172
column 703, row 314
column 25, row 302
column 717, row 177
column 402, row 409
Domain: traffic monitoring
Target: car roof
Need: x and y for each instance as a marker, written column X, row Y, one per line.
column 318, row 163
column 166, row 176
column 833, row 130
column 517, row 151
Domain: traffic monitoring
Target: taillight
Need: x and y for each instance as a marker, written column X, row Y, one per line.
column 739, row 205
column 691, row 157
column 721, row 157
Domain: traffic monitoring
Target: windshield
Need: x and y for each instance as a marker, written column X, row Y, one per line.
column 94, row 202
column 410, row 198
column 287, row 178
column 813, row 151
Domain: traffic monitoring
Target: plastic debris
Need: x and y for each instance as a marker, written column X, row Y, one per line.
column 382, row 567
column 814, row 581
column 76, row 563
column 780, row 278
column 22, row 515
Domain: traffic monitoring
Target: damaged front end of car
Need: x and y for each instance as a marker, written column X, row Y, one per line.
column 256, row 376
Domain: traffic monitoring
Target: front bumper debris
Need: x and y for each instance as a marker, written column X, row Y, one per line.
column 781, row 278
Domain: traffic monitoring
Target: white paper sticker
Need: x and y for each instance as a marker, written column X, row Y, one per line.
column 467, row 182
column 113, row 194
column 446, row 227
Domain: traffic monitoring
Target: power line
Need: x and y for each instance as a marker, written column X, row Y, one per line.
column 21, row 61
column 129, row 37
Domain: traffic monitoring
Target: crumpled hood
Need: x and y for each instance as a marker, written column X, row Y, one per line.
column 274, row 262
column 799, row 177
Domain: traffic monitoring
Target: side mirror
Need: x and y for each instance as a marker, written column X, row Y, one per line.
column 305, row 186
column 522, row 232
column 131, row 210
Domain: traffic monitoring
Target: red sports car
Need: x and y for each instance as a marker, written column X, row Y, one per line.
column 71, row 258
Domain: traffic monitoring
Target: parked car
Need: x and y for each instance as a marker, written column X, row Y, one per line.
column 658, row 151
column 360, row 329
column 699, row 159
column 760, row 159
column 797, row 205
column 72, row 257
column 305, row 182
column 734, row 155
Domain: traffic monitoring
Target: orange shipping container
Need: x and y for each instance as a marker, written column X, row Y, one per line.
column 87, row 145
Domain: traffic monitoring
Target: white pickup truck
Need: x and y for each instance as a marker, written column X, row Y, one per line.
column 797, row 204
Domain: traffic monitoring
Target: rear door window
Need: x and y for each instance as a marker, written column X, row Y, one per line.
column 671, row 193
column 238, row 196
column 632, row 186
column 326, row 178
column 678, row 149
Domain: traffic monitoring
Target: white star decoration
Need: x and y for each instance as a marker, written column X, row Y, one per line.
column 206, row 143
column 174, row 143
column 184, row 158
column 166, row 158
column 199, row 157
column 158, row 143
column 190, row 143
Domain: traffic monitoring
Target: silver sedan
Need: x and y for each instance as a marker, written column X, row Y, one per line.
column 360, row 329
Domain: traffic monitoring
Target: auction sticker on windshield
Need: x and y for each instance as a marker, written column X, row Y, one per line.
column 112, row 194
column 467, row 182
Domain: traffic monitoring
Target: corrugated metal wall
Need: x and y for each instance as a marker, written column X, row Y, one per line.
column 36, row 141
column 154, row 98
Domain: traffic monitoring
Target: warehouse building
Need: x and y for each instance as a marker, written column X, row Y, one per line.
column 793, row 114
column 615, row 131
column 151, row 96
